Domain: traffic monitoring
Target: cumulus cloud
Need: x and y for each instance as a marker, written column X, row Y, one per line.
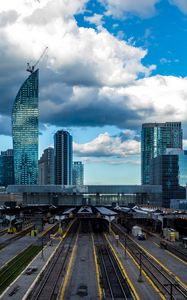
column 166, row 96
column 105, row 145
column 89, row 77
column 75, row 53
column 81, row 63
column 122, row 8
column 153, row 99
column 84, row 67
column 8, row 17
column 181, row 4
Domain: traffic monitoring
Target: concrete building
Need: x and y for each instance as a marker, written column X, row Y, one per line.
column 25, row 131
column 78, row 173
column 46, row 167
column 6, row 167
column 155, row 138
column 63, row 157
column 170, row 171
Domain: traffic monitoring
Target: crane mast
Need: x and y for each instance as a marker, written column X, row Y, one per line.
column 30, row 68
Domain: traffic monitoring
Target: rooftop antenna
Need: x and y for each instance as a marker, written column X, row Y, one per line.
column 30, row 68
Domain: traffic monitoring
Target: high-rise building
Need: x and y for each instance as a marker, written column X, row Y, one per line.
column 46, row 167
column 63, row 157
column 78, row 173
column 25, row 131
column 6, row 168
column 155, row 138
column 170, row 171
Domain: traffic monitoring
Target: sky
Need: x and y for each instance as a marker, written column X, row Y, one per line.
column 110, row 66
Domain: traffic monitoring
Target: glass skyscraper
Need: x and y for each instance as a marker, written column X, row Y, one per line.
column 78, row 173
column 155, row 139
column 6, row 167
column 25, row 131
column 63, row 157
column 170, row 171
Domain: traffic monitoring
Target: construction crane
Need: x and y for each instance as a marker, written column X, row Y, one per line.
column 30, row 68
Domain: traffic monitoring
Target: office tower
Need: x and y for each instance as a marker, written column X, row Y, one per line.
column 63, row 157
column 155, row 138
column 46, row 167
column 25, row 131
column 170, row 171
column 78, row 173
column 6, row 168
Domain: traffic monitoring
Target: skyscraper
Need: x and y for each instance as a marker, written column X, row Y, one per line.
column 155, row 138
column 6, row 167
column 46, row 167
column 63, row 157
column 78, row 173
column 25, row 131
column 170, row 171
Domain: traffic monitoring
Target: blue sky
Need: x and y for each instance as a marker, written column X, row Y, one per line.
column 111, row 65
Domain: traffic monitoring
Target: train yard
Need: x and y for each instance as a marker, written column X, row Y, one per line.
column 90, row 259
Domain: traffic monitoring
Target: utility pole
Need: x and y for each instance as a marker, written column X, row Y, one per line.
column 140, row 268
column 125, row 245
column 171, row 284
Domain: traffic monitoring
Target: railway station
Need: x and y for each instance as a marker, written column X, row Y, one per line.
column 93, row 252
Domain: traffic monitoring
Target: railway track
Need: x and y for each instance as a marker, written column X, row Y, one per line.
column 52, row 280
column 178, row 252
column 113, row 281
column 165, row 282
column 15, row 237
column 3, row 231
column 22, row 233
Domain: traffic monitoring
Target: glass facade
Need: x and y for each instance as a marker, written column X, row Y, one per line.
column 170, row 171
column 46, row 167
column 155, row 139
column 78, row 173
column 25, row 131
column 6, row 168
column 182, row 163
column 63, row 157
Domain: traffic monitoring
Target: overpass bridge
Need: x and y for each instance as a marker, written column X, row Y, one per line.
column 94, row 195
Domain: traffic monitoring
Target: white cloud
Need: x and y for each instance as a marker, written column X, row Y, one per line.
column 164, row 60
column 114, row 162
column 181, row 4
column 121, row 8
column 164, row 96
column 73, row 52
column 105, row 145
column 92, row 76
column 95, row 19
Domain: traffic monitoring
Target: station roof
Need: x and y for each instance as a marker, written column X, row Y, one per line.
column 105, row 211
column 68, row 211
column 85, row 210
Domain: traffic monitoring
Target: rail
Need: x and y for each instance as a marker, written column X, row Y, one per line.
column 113, row 280
column 164, row 281
column 15, row 237
column 51, row 281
